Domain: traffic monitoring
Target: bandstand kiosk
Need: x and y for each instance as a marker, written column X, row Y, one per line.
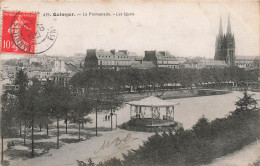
column 152, row 112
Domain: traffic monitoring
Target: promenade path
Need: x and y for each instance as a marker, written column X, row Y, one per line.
column 244, row 157
column 117, row 142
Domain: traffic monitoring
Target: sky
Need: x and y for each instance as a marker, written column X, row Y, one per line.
column 186, row 29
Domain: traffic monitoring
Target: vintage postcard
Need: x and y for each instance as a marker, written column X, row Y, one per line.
column 129, row 83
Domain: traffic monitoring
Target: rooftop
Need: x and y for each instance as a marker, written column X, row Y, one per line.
column 212, row 62
column 247, row 57
column 108, row 55
column 164, row 55
column 152, row 102
column 71, row 67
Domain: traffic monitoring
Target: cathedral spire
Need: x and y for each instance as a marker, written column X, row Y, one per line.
column 225, row 45
column 229, row 26
column 220, row 27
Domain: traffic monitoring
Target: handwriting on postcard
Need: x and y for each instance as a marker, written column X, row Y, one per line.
column 119, row 143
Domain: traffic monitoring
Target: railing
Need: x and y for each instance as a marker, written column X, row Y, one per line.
column 149, row 121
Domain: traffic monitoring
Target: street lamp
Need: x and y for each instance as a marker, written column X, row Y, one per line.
column 111, row 115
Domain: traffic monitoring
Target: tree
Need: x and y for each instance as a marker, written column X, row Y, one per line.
column 101, row 87
column 43, row 108
column 207, row 75
column 31, row 110
column 148, row 79
column 218, row 76
column 12, row 62
column 36, row 64
column 112, row 101
column 21, row 80
column 201, row 128
column 256, row 62
column 234, row 74
column 58, row 99
column 247, row 102
column 188, row 77
column 111, row 162
column 133, row 78
column 9, row 107
column 105, row 100
column 35, row 81
column 80, row 108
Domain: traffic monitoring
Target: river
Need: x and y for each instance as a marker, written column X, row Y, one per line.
column 187, row 112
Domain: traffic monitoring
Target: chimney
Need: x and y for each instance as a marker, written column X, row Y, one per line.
column 113, row 51
column 124, row 51
column 150, row 53
column 150, row 56
column 91, row 52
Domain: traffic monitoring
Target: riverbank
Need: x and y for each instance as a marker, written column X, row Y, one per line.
column 174, row 94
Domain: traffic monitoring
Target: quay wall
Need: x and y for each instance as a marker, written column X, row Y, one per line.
column 174, row 94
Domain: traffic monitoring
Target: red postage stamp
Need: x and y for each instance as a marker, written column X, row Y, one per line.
column 19, row 32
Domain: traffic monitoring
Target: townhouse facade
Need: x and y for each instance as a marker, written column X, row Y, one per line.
column 211, row 63
column 162, row 59
column 100, row 59
column 247, row 62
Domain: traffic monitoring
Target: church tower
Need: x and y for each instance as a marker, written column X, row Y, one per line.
column 219, row 43
column 225, row 45
column 230, row 59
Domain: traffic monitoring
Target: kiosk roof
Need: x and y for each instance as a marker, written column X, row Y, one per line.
column 152, row 102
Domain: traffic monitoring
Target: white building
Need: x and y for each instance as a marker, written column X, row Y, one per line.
column 247, row 62
column 162, row 59
column 39, row 59
column 59, row 67
column 210, row 63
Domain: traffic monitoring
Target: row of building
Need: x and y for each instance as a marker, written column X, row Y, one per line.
column 60, row 70
column 100, row 59
column 42, row 68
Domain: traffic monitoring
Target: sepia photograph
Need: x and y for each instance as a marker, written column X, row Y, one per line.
column 129, row 83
